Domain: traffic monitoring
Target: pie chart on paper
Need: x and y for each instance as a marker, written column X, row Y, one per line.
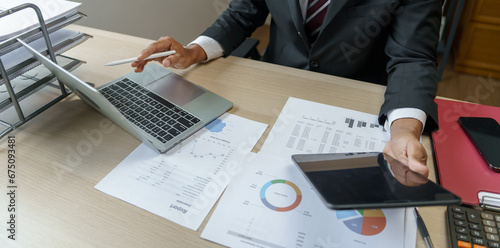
column 363, row 221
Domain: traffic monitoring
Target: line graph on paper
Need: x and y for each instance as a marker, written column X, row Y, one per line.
column 211, row 143
column 197, row 149
column 205, row 153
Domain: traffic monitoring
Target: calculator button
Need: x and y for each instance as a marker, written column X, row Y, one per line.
column 489, row 223
column 461, row 230
column 479, row 241
column 476, row 233
column 494, row 244
column 463, row 244
column 492, row 237
column 474, row 226
column 473, row 217
column 497, row 218
column 478, row 246
column 459, row 216
column 457, row 209
column 462, row 237
column 487, row 216
column 460, row 223
column 490, row 230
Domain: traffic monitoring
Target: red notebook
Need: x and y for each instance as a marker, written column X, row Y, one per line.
column 461, row 169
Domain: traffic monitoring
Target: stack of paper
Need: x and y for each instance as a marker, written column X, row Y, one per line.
column 17, row 61
column 25, row 20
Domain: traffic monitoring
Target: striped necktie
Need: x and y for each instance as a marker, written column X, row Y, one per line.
column 316, row 11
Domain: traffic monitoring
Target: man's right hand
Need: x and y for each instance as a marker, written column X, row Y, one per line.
column 182, row 59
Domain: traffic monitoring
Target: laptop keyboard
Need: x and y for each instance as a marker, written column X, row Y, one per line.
column 154, row 114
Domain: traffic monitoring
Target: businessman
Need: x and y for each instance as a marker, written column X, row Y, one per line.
column 388, row 42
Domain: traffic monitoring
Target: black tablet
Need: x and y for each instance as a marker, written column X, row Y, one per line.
column 369, row 180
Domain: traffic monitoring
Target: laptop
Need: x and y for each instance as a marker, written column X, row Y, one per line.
column 157, row 106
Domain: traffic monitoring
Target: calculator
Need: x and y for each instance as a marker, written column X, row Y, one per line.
column 473, row 228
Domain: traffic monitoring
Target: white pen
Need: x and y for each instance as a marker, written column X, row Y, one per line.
column 152, row 56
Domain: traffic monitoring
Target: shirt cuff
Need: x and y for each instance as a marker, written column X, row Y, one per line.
column 400, row 113
column 211, row 47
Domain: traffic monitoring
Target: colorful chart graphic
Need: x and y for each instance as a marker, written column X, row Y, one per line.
column 363, row 221
column 285, row 208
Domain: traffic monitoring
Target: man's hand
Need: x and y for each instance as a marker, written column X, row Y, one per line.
column 403, row 174
column 182, row 59
column 405, row 145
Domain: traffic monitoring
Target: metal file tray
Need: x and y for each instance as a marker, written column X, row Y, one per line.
column 34, row 88
column 35, row 33
column 28, row 19
column 19, row 60
column 26, row 87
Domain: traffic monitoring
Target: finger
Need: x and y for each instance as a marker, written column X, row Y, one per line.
column 397, row 150
column 177, row 61
column 388, row 149
column 152, row 48
column 417, row 160
column 136, row 63
column 139, row 66
column 414, row 179
column 166, row 62
column 418, row 167
column 139, row 69
column 147, row 52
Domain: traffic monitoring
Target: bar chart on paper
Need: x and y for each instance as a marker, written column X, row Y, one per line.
column 270, row 204
column 309, row 127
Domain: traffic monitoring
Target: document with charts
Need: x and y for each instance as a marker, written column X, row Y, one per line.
column 282, row 210
column 183, row 184
column 271, row 205
column 310, row 127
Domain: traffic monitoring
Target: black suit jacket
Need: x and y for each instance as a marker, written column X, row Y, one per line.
column 389, row 42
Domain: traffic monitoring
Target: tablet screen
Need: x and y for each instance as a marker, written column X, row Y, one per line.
column 369, row 180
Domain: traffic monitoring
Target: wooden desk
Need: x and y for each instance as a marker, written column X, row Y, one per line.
column 64, row 152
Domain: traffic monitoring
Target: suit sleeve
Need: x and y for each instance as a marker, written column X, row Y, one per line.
column 237, row 23
column 412, row 66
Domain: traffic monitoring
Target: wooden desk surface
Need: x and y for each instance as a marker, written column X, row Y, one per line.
column 65, row 151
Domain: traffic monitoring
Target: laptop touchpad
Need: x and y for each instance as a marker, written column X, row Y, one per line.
column 176, row 89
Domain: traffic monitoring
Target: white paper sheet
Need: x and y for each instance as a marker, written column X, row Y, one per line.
column 24, row 20
column 270, row 204
column 303, row 127
column 310, row 127
column 183, row 184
